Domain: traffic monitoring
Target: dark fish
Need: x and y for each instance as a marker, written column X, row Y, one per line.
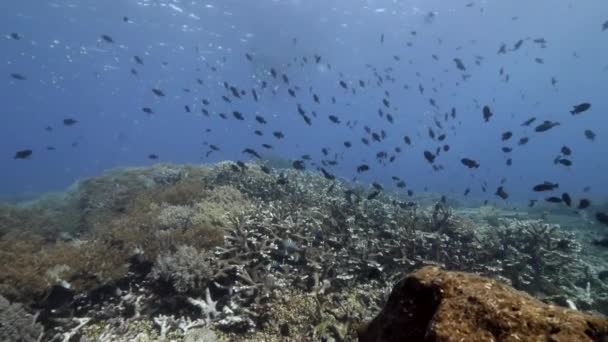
column 589, row 134
column 69, row 122
column 205, row 102
column 19, row 77
column 260, row 119
column 334, row 119
column 278, row 134
column 50, row 148
column 158, row 92
column 502, row 49
column 285, row 79
column 602, row 217
column 584, row 204
column 545, row 126
column 237, row 115
column 23, row 154
column 138, row 60
column 441, row 137
column 315, row 97
column 470, row 163
column 265, row 169
column 506, row 149
column 214, row 147
column 459, row 64
column 566, row 150
column 523, row 141
column 467, row 191
column 580, row 108
column 362, row 168
column 506, row 136
column 500, row 192
column 528, row 122
column 487, row 113
column 248, row 56
column 298, row 165
column 605, row 25
column 446, row 148
column 539, row 60
column 152, row 156
column 532, row 202
column 518, row 45
column 509, row 162
column 566, row 198
column 546, row 186
column 291, row 92
column 373, row 195
column 305, row 157
column 407, row 140
column 347, row 144
column 255, row 95
column 343, row 85
column 15, row 36
column 187, row 108
column 554, row 199
column 327, row 175
column 252, row 152
column 565, row 162
column 267, row 146
column 430, row 157
column 107, row 38
column 258, row 132
column 401, row 184
column 235, row 92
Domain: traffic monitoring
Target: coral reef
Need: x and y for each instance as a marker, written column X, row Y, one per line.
column 432, row 304
column 249, row 254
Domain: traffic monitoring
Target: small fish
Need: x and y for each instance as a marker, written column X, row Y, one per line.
column 584, row 204
column 602, row 217
column 470, row 163
column 260, row 119
column 459, row 64
column 158, row 92
column 237, row 115
column 566, row 198
column 566, row 150
column 15, row 36
column 334, row 119
column 373, row 195
column 531, row 204
column 523, row 141
column 298, row 165
column 254, row 94
column 506, row 136
column 147, row 110
column 506, row 149
column 107, row 38
column 187, row 108
column 589, row 134
column 19, row 77
column 362, row 168
column 278, row 134
column 252, row 152
column 327, row 175
column 343, row 85
column 546, row 125
column 554, row 199
column 487, row 113
column 69, row 122
column 138, row 60
column 430, row 157
column 23, row 154
column 407, row 140
column 267, row 146
column 348, row 144
column 509, row 162
column 565, row 162
column 545, row 186
column 500, row 192
column 579, row 108
column 265, row 169
column 528, row 122
column 152, row 156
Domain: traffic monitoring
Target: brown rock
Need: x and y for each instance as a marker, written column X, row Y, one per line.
column 432, row 304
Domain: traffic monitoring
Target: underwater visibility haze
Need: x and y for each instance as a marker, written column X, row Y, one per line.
column 220, row 145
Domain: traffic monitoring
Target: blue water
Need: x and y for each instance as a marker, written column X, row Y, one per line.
column 73, row 73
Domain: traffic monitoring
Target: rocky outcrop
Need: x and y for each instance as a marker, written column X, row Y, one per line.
column 432, row 304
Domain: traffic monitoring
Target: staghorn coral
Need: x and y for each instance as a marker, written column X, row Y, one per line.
column 187, row 269
column 16, row 324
